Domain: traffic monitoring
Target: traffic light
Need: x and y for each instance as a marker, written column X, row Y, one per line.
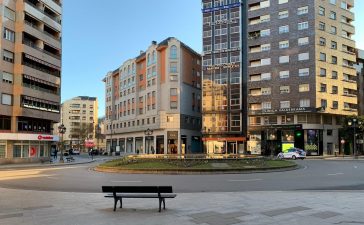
column 298, row 133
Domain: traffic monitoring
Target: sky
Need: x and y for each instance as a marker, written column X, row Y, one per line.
column 98, row 38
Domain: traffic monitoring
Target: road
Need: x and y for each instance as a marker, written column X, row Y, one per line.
column 313, row 175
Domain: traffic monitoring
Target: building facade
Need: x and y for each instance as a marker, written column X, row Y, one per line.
column 30, row 78
column 153, row 101
column 301, row 79
column 80, row 117
column 360, row 76
column 223, row 102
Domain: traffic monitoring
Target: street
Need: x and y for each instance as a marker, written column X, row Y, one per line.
column 312, row 175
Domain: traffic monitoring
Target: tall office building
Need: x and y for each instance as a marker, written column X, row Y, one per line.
column 223, row 103
column 30, row 77
column 301, row 79
column 360, row 77
column 80, row 117
column 153, row 101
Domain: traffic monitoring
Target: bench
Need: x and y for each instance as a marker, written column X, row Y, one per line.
column 70, row 159
column 120, row 192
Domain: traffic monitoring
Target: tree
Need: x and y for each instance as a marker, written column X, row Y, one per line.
column 83, row 132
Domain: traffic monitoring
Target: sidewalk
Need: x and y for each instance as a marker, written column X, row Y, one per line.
column 255, row 208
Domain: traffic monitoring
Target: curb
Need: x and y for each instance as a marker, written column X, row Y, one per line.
column 196, row 171
column 45, row 165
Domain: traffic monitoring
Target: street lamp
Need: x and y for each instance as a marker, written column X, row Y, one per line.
column 61, row 130
column 353, row 123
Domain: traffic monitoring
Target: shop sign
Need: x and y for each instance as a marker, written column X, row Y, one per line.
column 287, row 110
column 172, row 134
column 45, row 137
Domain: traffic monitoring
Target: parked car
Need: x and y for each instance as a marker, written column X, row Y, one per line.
column 293, row 153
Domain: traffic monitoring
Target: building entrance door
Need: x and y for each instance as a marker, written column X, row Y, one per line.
column 232, row 148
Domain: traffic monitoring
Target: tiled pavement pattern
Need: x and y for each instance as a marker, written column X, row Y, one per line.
column 255, row 208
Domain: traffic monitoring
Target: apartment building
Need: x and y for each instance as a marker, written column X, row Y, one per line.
column 30, row 78
column 80, row 117
column 153, row 101
column 301, row 79
column 360, row 77
column 223, row 103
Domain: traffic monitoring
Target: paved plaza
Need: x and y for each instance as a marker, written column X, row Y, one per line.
column 314, row 208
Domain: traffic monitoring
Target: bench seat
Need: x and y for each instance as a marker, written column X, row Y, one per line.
column 120, row 192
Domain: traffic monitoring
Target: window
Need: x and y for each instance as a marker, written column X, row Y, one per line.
column 321, row 11
column 8, row 78
column 333, row 45
column 173, row 98
column 284, row 59
column 303, row 41
column 266, row 76
column 333, row 59
column 8, row 56
column 304, row 88
column 173, row 53
column 10, row 14
column 322, row 26
column 235, row 29
column 334, row 90
column 303, row 25
column 335, row 104
column 282, row 1
column 305, row 103
column 266, row 91
column 322, row 72
column 332, row 15
column 173, row 67
column 304, row 72
column 6, row 99
column 284, row 89
column 284, row 104
column 283, row 29
column 333, row 2
column 322, row 41
column 9, row 35
column 322, row 56
column 264, row 18
column 266, row 105
column 323, row 87
column 265, row 33
column 303, row 56
column 334, row 75
column 283, row 14
column 284, row 44
column 265, row 61
column 302, row 10
column 284, row 74
column 323, row 103
column 333, row 30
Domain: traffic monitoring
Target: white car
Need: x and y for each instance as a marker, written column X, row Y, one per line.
column 75, row 152
column 293, row 153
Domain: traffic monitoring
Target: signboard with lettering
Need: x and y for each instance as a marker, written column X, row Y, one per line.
column 284, row 111
column 221, row 7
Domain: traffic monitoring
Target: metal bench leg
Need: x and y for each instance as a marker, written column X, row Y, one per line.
column 160, row 204
column 121, row 203
column 115, row 202
column 164, row 203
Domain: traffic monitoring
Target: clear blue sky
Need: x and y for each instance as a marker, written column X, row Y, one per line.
column 97, row 38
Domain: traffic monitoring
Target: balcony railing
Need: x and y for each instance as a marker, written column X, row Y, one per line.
column 43, row 31
column 43, row 12
column 32, row 45
column 54, row 73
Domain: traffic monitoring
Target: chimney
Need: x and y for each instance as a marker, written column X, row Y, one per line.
column 154, row 42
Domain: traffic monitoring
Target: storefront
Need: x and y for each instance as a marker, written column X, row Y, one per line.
column 129, row 145
column 172, row 140
column 25, row 147
column 224, row 145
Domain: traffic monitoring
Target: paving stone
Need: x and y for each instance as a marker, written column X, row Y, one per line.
column 203, row 214
column 326, row 214
column 278, row 212
column 11, row 215
column 38, row 207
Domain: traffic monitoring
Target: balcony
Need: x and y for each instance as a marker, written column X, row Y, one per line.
column 31, row 8
column 34, row 46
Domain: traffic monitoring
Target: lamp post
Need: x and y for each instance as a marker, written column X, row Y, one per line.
column 353, row 123
column 61, row 130
column 148, row 132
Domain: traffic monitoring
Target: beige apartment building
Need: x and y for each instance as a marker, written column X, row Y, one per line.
column 30, row 78
column 153, row 101
column 79, row 116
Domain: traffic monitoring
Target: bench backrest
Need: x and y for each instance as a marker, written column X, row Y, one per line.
column 137, row 189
